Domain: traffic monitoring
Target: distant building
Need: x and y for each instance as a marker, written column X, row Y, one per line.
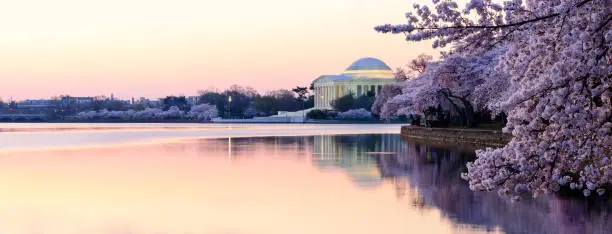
column 75, row 104
column 38, row 104
column 67, row 100
column 363, row 76
column 100, row 98
column 147, row 102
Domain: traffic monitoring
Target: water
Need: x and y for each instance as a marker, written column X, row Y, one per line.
column 44, row 136
column 253, row 182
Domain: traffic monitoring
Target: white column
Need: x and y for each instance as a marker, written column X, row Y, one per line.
column 333, row 89
column 334, row 94
column 326, row 99
column 323, row 96
column 317, row 97
column 329, row 96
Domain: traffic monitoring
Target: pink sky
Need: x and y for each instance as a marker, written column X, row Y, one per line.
column 153, row 48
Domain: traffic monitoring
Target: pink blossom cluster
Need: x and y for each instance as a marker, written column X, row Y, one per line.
column 551, row 74
column 203, row 112
column 456, row 83
column 382, row 106
column 360, row 113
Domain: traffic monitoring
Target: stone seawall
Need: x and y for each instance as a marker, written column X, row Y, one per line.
column 492, row 138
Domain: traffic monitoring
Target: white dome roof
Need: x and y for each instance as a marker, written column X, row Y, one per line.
column 369, row 68
column 368, row 64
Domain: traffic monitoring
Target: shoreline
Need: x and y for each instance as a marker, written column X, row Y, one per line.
column 200, row 122
column 476, row 137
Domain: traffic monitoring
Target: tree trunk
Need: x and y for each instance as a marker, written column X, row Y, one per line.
column 469, row 113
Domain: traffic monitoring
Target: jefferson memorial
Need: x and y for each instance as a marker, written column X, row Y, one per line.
column 366, row 75
column 363, row 76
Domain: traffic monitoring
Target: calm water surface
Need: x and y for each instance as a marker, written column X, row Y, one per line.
column 37, row 135
column 314, row 183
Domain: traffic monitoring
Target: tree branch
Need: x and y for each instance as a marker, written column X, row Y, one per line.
column 604, row 23
column 515, row 24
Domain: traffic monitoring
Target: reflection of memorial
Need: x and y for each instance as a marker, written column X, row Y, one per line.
column 355, row 154
column 249, row 147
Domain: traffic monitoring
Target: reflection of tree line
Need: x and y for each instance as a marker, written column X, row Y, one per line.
column 434, row 172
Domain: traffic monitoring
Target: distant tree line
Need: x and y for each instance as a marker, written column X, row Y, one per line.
column 245, row 102
column 234, row 102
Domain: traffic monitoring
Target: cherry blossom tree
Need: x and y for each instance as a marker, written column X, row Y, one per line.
column 386, row 94
column 558, row 62
column 413, row 69
column 204, row 112
column 471, row 83
column 419, row 64
column 408, row 101
column 174, row 112
column 400, row 74
column 446, row 85
column 360, row 113
column 147, row 113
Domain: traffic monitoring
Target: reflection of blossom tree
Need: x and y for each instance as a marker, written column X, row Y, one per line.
column 433, row 172
column 595, row 219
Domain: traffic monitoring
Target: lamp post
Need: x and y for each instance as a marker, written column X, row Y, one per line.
column 228, row 108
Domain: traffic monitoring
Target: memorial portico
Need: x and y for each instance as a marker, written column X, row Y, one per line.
column 363, row 76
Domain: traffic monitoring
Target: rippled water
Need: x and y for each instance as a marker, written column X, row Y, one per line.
column 319, row 183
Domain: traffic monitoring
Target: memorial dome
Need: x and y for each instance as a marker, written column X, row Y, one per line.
column 368, row 64
column 369, row 68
